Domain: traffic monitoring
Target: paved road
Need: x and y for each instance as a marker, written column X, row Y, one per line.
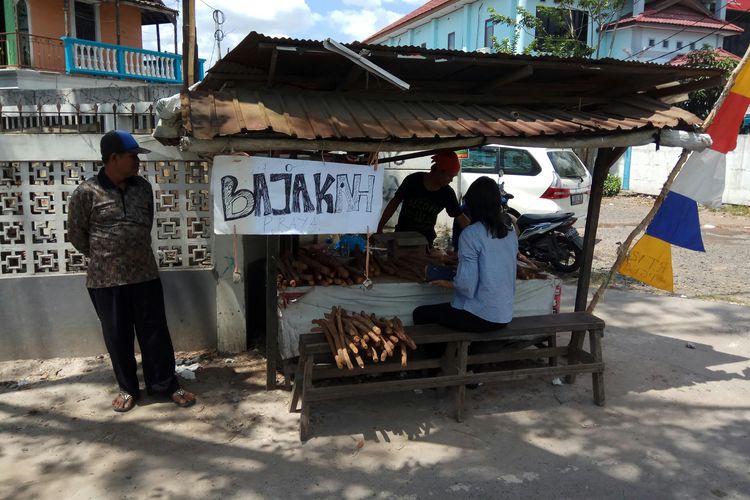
column 721, row 273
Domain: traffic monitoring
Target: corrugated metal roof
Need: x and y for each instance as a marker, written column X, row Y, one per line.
column 269, row 88
column 719, row 53
column 338, row 117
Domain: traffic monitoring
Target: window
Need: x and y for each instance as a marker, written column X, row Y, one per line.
column 679, row 45
column 480, row 161
column 692, row 46
column 566, row 164
column 518, row 162
column 451, row 40
column 651, row 42
column 85, row 21
column 665, row 44
column 550, row 21
column 489, row 32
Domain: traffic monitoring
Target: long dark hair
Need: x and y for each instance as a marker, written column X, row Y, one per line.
column 483, row 201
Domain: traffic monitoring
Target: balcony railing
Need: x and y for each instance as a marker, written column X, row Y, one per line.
column 22, row 50
column 84, row 57
column 104, row 59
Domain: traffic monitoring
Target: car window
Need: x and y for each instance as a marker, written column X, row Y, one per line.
column 567, row 164
column 518, row 162
column 480, row 161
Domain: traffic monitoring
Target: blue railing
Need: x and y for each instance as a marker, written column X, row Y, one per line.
column 104, row 59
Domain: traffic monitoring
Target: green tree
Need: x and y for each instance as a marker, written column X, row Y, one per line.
column 701, row 102
column 565, row 41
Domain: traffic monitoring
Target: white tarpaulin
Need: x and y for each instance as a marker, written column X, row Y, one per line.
column 255, row 195
column 392, row 299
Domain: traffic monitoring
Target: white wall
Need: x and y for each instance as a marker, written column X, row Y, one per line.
column 649, row 169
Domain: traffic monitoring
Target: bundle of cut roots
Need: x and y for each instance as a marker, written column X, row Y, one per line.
column 311, row 267
column 360, row 336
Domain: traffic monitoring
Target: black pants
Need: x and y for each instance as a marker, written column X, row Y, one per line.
column 457, row 319
column 130, row 311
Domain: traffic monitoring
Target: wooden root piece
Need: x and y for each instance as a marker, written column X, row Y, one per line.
column 398, row 329
column 403, row 355
column 332, row 343
column 340, row 332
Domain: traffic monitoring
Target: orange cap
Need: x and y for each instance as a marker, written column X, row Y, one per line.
column 447, row 161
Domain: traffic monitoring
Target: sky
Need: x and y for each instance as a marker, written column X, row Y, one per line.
column 341, row 20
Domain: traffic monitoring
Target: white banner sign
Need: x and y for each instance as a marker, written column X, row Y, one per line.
column 255, row 195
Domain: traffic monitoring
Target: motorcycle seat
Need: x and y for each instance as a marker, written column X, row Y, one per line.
column 528, row 219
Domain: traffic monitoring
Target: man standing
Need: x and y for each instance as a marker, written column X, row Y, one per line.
column 424, row 195
column 109, row 220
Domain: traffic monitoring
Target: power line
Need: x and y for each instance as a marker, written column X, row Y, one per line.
column 725, row 23
column 698, row 40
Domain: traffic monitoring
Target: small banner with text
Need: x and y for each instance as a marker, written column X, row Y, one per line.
column 256, row 195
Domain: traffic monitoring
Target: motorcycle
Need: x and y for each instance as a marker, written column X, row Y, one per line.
column 548, row 238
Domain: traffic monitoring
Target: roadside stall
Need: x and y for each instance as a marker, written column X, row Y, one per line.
column 282, row 107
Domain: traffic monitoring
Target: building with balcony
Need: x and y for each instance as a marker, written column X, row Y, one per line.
column 53, row 44
column 646, row 31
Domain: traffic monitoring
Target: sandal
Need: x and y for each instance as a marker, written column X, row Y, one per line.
column 126, row 400
column 182, row 398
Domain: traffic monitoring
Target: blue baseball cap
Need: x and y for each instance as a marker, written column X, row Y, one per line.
column 119, row 141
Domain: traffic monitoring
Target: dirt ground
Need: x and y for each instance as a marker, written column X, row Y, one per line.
column 676, row 424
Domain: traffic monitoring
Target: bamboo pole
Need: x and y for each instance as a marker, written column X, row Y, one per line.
column 624, row 249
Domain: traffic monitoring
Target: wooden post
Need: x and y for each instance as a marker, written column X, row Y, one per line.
column 66, row 17
column 272, row 316
column 117, row 21
column 158, row 39
column 605, row 158
column 188, row 43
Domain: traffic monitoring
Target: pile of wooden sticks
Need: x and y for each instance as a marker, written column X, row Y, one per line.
column 360, row 336
column 313, row 267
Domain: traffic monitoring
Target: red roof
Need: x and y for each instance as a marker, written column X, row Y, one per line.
column 743, row 5
column 422, row 11
column 677, row 15
column 682, row 59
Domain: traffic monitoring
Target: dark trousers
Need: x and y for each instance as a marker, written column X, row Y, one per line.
column 457, row 319
column 131, row 311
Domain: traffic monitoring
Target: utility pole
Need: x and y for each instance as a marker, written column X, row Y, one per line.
column 189, row 47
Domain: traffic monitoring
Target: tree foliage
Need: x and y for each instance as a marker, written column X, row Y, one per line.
column 701, row 102
column 565, row 40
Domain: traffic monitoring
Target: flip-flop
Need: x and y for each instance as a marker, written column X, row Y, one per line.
column 186, row 402
column 127, row 399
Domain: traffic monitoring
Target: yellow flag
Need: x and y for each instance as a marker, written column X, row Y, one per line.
column 742, row 82
column 650, row 261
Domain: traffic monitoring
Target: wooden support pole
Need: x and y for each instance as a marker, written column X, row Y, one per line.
column 605, row 158
column 272, row 316
column 117, row 21
column 188, row 43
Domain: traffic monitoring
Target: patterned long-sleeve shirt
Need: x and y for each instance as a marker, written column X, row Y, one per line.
column 112, row 227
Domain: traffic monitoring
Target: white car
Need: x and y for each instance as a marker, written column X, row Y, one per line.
column 542, row 180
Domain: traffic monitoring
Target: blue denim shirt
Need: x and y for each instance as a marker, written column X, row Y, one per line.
column 485, row 282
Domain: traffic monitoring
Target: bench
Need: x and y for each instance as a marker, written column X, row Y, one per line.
column 316, row 362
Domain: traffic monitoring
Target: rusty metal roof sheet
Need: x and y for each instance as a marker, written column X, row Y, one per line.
column 340, row 117
column 283, row 88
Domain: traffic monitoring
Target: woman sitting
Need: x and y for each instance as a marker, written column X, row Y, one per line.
column 486, row 277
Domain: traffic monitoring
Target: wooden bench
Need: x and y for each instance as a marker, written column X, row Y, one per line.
column 316, row 362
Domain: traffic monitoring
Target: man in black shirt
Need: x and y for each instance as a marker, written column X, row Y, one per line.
column 424, row 195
